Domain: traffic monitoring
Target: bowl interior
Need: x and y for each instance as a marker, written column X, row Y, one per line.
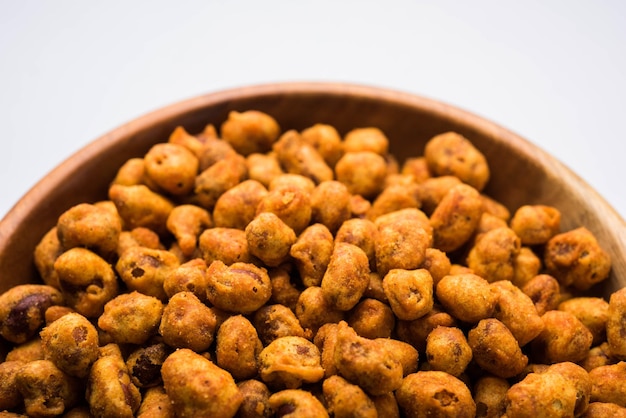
column 521, row 173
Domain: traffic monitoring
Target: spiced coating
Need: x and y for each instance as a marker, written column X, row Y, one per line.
column 144, row 270
column 139, row 206
column 346, row 277
column 312, row 253
column 409, row 292
column 330, row 204
column 490, row 396
column 593, row 312
column 144, row 365
column 452, row 154
column 291, row 204
column 237, row 346
column 576, row 259
column 275, row 321
column 447, row 350
column 326, row 140
column 344, row 399
column 372, row 318
column 172, row 167
column 536, row 224
column 250, row 131
column 186, row 222
column 609, row 384
column 289, row 362
column 71, row 343
column 188, row 323
column 564, row 338
column 544, row 291
column 434, row 393
column 237, row 206
column 456, row 217
column 155, row 404
column 616, row 324
column 10, row 396
column 239, row 288
column 22, row 310
column 188, row 277
column 46, row 253
column 197, row 387
column 313, row 309
column 228, row 245
column 517, row 311
column 366, row 139
column 494, row 254
column 297, row 156
column 89, row 226
column 269, row 239
column 131, row 318
column 217, row 179
column 495, row 349
column 256, row 397
column 296, row 403
column 467, row 297
column 362, row 233
column 363, row 172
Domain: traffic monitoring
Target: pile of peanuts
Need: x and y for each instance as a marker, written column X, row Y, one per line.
column 251, row 272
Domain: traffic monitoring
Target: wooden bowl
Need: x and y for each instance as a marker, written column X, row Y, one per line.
column 521, row 172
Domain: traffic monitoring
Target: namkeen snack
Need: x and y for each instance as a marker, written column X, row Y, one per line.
column 255, row 270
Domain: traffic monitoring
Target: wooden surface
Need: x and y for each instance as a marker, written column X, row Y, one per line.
column 521, row 173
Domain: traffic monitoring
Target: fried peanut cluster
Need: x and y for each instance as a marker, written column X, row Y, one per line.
column 248, row 271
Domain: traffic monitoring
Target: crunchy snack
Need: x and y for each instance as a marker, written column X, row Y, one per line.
column 244, row 272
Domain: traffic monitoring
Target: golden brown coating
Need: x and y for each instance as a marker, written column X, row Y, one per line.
column 131, row 318
column 363, row 172
column 544, row 291
column 292, row 180
column 393, row 198
column 213, row 151
column 131, row 173
column 46, row 390
column 326, row 140
column 604, row 409
column 138, row 237
column 452, row 154
column 401, row 243
column 536, row 224
column 366, row 139
column 434, row 393
column 493, row 256
column 495, row 349
column 214, row 181
column 437, row 263
column 256, row 398
column 416, row 167
column 592, row 312
column 345, row 400
column 490, row 396
column 199, row 388
column 269, row 239
column 616, row 324
column 362, row 233
column 289, row 362
column 575, row 258
column 297, row 156
column 599, row 355
column 403, row 352
column 186, row 222
column 416, row 332
column 71, row 343
column 46, row 253
column 314, row 310
column 495, row 208
column 433, row 189
column 228, row 245
column 550, row 393
column 156, row 404
column 456, row 217
column 89, row 226
column 144, row 270
column 172, row 167
column 375, row 288
column 291, row 204
column 579, row 378
column 237, row 346
column 372, row 318
column 144, row 364
column 239, row 288
column 386, row 405
column 564, row 338
column 296, row 403
column 447, row 350
column 195, row 144
column 87, row 281
column 284, row 291
column 325, row 340
column 467, row 297
column 517, row 311
column 366, row 362
column 250, row 131
column 409, row 292
column 139, row 206
column 188, row 323
column 346, row 277
column 312, row 252
column 526, row 265
column 330, row 204
column 10, row 396
column 237, row 206
column 263, row 167
column 609, row 384
column 188, row 277
column 22, row 310
column 26, row 352
column 275, row 321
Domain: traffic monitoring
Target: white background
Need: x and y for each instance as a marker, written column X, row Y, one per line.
column 551, row 71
